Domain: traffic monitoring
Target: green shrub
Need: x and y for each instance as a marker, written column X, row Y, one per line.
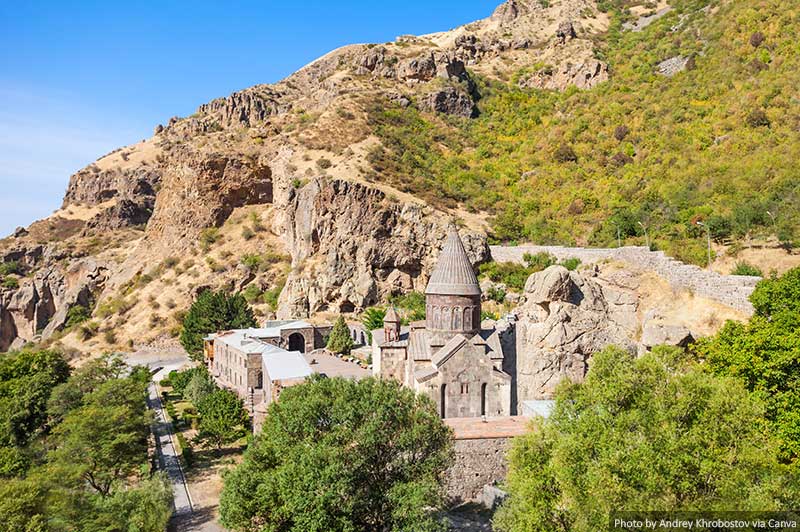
column 496, row 294
column 252, row 262
column 571, row 264
column 208, row 237
column 411, row 306
column 539, row 261
column 77, row 315
column 743, row 268
column 88, row 330
column 252, row 293
column 7, row 268
column 10, row 282
column 511, row 274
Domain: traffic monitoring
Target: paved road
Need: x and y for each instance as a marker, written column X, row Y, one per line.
column 167, row 455
column 162, row 364
column 187, row 517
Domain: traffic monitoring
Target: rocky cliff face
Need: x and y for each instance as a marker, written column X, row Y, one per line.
column 39, row 307
column 565, row 317
column 352, row 246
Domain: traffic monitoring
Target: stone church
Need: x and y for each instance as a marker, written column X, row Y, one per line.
column 450, row 356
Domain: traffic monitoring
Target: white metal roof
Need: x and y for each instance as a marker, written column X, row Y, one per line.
column 280, row 365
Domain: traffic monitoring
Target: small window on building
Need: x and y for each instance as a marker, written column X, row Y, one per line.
column 464, row 388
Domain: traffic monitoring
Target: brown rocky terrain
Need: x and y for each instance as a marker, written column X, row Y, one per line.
column 146, row 226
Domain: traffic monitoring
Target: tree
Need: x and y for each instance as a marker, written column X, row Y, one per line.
column 647, row 434
column 223, row 419
column 372, row 318
column 27, row 379
column 777, row 294
column 336, row 455
column 213, row 312
column 179, row 380
column 200, row 387
column 105, row 439
column 340, row 340
column 765, row 355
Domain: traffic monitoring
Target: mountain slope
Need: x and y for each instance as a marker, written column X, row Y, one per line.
column 330, row 190
column 698, row 122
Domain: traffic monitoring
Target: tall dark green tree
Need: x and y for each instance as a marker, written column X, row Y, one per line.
column 213, row 312
column 340, row 341
column 340, row 455
column 650, row 434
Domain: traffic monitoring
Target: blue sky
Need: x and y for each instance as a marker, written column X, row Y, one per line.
column 79, row 79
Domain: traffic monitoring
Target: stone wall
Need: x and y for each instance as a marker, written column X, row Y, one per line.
column 730, row 290
column 478, row 462
column 481, row 449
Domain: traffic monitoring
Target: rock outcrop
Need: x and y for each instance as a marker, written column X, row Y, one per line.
column 583, row 75
column 41, row 305
column 565, row 318
column 351, row 245
column 451, row 101
column 246, row 107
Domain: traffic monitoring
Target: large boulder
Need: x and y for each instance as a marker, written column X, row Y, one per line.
column 563, row 320
column 659, row 333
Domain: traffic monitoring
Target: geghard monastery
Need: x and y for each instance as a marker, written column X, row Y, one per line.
column 460, row 363
column 450, row 357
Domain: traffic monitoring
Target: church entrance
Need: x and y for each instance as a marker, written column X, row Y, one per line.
column 297, row 342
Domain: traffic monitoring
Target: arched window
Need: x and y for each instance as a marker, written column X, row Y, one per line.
column 457, row 318
column 443, row 401
column 446, row 319
column 437, row 317
column 259, row 380
column 468, row 318
column 483, row 399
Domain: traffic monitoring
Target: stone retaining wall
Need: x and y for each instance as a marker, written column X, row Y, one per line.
column 478, row 462
column 481, row 449
column 730, row 290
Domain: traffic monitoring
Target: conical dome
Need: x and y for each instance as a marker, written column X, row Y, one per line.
column 391, row 315
column 453, row 274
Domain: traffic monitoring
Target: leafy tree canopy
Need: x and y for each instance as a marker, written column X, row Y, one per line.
column 653, row 433
column 340, row 455
column 765, row 355
column 213, row 312
column 223, row 418
column 27, row 379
